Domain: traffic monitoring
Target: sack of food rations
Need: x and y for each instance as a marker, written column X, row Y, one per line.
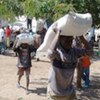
column 37, row 40
column 39, row 25
column 72, row 24
column 24, row 38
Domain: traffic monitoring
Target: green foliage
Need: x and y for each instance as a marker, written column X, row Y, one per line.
column 63, row 9
column 9, row 9
column 49, row 9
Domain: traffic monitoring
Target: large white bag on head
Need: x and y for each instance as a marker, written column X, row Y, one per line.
column 72, row 24
column 24, row 38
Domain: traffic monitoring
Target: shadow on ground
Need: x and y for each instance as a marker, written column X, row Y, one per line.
column 39, row 91
column 41, row 88
column 92, row 93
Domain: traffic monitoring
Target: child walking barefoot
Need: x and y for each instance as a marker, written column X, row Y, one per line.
column 24, row 63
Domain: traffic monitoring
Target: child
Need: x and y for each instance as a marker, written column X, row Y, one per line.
column 24, row 62
column 85, row 63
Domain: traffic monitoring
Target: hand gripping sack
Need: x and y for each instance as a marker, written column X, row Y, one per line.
column 72, row 24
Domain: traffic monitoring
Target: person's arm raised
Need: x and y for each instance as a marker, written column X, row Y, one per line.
column 55, row 40
column 52, row 54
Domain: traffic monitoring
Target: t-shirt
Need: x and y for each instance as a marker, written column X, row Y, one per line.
column 8, row 32
column 24, row 56
column 85, row 61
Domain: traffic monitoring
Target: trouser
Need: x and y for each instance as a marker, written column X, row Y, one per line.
column 85, row 76
column 8, row 41
column 29, row 24
column 78, row 75
column 2, row 47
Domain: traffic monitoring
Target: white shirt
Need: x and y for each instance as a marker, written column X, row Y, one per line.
column 1, row 34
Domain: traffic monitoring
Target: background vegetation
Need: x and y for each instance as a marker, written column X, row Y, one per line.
column 49, row 9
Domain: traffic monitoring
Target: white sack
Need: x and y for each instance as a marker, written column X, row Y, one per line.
column 90, row 34
column 16, row 28
column 39, row 25
column 37, row 40
column 24, row 38
column 72, row 24
column 97, row 33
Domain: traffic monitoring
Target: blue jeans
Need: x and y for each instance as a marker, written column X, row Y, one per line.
column 85, row 76
column 2, row 47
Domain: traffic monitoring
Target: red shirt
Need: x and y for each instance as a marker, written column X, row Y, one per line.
column 85, row 61
column 8, row 32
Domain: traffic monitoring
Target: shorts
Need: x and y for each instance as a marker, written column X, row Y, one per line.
column 22, row 70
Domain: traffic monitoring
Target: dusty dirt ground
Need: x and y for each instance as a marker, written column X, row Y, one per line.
column 39, row 79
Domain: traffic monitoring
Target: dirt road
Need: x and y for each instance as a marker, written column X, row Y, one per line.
column 39, row 78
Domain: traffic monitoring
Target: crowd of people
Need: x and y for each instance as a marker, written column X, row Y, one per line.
column 5, row 34
column 8, row 35
column 63, row 56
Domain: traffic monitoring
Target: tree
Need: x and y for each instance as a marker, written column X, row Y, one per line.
column 49, row 9
column 91, row 6
column 9, row 9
